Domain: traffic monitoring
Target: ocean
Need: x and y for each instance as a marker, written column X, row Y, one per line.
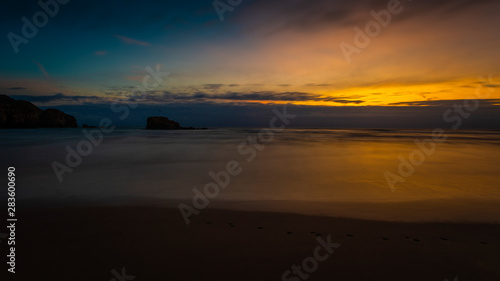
column 308, row 165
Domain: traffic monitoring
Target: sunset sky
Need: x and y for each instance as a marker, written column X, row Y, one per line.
column 92, row 53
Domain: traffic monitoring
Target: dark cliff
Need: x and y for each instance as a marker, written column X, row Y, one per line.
column 23, row 114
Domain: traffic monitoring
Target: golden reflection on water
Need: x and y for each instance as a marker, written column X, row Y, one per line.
column 354, row 170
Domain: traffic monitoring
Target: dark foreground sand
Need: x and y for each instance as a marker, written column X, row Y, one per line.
column 87, row 243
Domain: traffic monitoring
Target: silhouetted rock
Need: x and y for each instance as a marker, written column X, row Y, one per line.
column 85, row 126
column 53, row 118
column 162, row 123
column 23, row 114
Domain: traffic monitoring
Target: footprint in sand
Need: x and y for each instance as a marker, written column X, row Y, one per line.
column 484, row 243
column 231, row 224
column 385, row 238
column 349, row 235
column 288, row 232
column 260, row 227
column 407, row 237
column 444, row 238
column 209, row 222
column 416, row 240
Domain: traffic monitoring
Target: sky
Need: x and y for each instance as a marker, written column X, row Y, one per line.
column 230, row 61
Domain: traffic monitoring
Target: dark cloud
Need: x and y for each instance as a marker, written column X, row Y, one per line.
column 213, row 86
column 260, row 96
column 445, row 103
column 318, row 85
column 121, row 88
column 252, row 96
column 17, row 88
column 55, row 97
column 347, row 101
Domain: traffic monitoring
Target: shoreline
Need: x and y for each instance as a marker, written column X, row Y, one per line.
column 461, row 210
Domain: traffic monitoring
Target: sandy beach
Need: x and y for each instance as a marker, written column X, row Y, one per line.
column 89, row 243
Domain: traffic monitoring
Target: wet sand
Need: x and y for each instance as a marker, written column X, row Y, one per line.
column 87, row 243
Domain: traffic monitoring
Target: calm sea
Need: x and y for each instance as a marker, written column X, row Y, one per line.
column 296, row 165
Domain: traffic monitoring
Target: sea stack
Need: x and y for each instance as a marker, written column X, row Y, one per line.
column 162, row 123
